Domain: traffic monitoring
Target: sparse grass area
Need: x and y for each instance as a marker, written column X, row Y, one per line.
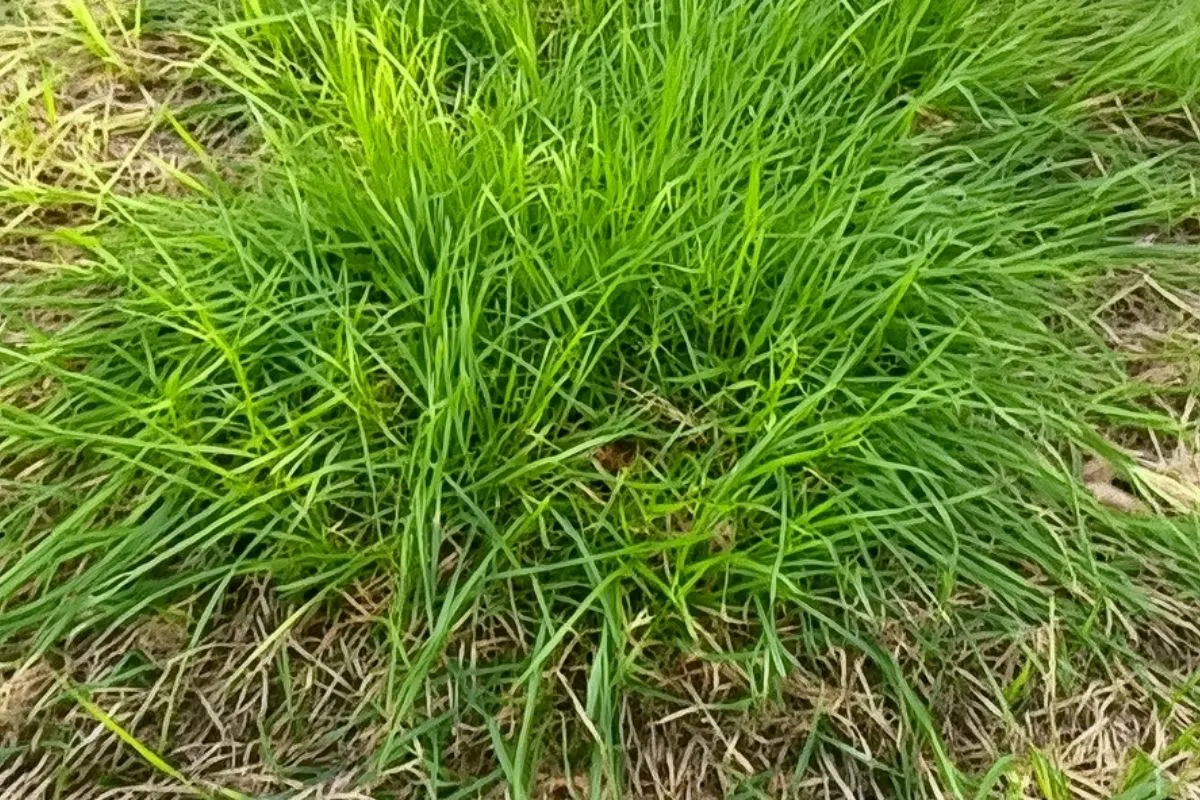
column 570, row 398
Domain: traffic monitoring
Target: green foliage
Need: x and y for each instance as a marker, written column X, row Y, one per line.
column 814, row 276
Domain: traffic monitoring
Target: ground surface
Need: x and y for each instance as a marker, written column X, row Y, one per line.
column 580, row 399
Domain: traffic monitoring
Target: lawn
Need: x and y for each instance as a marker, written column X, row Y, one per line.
column 583, row 398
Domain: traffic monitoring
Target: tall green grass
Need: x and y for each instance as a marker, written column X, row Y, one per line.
column 618, row 320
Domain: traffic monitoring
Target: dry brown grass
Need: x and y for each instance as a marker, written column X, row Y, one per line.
column 1092, row 722
column 79, row 121
column 218, row 703
column 286, row 699
column 79, row 126
column 1156, row 330
column 1173, row 123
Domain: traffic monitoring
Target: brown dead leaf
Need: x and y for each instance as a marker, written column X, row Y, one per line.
column 616, row 456
column 933, row 120
column 724, row 534
column 1099, row 477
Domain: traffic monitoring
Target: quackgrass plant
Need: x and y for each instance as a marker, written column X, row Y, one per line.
column 630, row 323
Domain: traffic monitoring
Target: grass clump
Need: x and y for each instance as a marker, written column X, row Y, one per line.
column 613, row 339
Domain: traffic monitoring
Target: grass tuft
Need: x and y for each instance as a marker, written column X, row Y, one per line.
column 654, row 361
